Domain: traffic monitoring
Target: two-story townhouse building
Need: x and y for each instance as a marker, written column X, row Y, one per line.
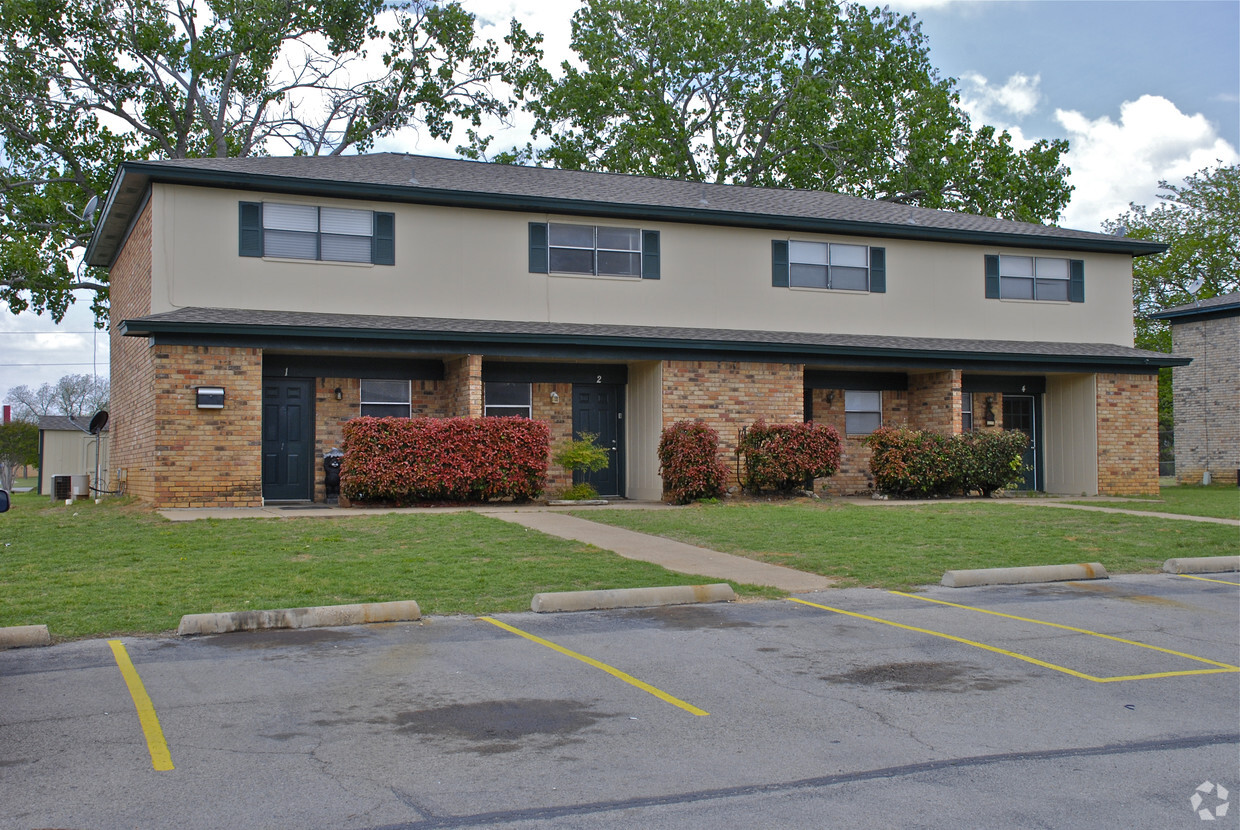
column 260, row 303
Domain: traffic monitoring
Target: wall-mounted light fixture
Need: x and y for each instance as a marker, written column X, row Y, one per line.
column 990, row 410
column 555, row 396
column 209, row 397
column 830, row 396
column 339, row 393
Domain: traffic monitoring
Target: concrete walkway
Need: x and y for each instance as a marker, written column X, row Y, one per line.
column 675, row 556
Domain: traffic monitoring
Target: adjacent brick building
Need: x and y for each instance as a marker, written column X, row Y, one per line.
column 259, row 304
column 1207, row 391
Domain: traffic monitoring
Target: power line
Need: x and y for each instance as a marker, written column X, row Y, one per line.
column 16, row 365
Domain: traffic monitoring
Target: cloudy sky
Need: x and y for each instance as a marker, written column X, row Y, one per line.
column 1145, row 90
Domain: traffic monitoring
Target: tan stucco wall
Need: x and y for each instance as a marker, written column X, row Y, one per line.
column 459, row 263
column 1070, row 434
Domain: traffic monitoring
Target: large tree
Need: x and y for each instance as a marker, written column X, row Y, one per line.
column 1200, row 222
column 76, row 395
column 87, row 84
column 804, row 93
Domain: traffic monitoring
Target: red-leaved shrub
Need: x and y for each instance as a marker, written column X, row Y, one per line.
column 689, row 462
column 406, row 460
column 784, row 457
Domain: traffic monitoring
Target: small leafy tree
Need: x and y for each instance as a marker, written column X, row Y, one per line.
column 582, row 456
column 19, row 446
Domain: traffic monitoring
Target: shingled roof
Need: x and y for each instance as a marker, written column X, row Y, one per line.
column 416, row 334
column 1224, row 305
column 397, row 177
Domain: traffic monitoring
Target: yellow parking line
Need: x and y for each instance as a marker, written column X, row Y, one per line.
column 1013, row 654
column 1070, row 628
column 632, row 681
column 1207, row 579
column 160, row 758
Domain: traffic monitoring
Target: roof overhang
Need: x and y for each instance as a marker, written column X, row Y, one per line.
column 350, row 334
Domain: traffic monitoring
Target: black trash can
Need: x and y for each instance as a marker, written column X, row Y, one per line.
column 332, row 460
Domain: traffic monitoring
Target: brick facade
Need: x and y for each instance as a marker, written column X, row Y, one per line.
column 934, row 401
column 207, row 457
column 559, row 416
column 729, row 396
column 1207, row 399
column 1127, row 434
column 132, row 423
column 463, row 379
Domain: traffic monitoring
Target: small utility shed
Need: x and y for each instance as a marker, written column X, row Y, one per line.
column 1207, row 391
column 66, row 450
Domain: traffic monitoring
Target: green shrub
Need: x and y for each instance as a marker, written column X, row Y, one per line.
column 579, row 492
column 783, row 457
column 919, row 464
column 689, row 462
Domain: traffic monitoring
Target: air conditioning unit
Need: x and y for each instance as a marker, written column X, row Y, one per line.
column 62, row 487
column 81, row 486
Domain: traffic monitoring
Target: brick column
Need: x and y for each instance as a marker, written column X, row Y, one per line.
column 934, row 402
column 1127, row 434
column 463, row 377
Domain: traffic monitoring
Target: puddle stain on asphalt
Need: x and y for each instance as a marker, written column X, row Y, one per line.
column 500, row 726
column 690, row 617
column 922, row 677
column 279, row 637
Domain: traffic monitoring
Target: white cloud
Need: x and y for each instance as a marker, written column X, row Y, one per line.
column 1115, row 163
column 989, row 104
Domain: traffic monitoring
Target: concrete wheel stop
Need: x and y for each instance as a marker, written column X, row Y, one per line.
column 1019, row 576
column 24, row 636
column 315, row 617
column 1202, row 565
column 632, row 597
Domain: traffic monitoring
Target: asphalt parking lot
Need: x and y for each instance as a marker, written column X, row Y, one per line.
column 1087, row 704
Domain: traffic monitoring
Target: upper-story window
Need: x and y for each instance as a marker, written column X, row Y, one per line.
column 796, row 264
column 331, row 234
column 1052, row 279
column 593, row 250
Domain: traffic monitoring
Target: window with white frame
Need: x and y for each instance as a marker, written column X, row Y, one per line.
column 828, row 265
column 863, row 411
column 1033, row 278
column 501, row 399
column 597, row 250
column 966, row 412
column 386, row 398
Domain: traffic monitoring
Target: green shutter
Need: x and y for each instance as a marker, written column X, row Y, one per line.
column 992, row 276
column 538, row 247
column 250, row 239
column 878, row 270
column 383, row 243
column 1076, row 281
column 650, row 255
column 779, row 263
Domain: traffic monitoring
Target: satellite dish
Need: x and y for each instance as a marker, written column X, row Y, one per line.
column 98, row 422
column 88, row 213
column 1195, row 286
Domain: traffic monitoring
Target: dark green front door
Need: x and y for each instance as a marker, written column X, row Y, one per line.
column 288, row 439
column 1022, row 412
column 597, row 409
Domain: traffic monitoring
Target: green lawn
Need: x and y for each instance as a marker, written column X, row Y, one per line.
column 1221, row 501
column 897, row 546
column 91, row 570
